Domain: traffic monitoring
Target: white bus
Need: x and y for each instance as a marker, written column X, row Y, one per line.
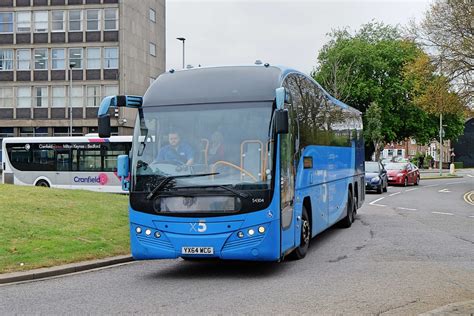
column 87, row 162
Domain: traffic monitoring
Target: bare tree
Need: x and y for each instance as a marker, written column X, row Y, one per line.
column 447, row 35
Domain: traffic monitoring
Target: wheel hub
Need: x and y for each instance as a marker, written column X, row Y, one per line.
column 305, row 231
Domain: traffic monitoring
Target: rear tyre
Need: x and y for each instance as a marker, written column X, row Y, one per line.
column 302, row 249
column 42, row 183
column 346, row 222
column 417, row 181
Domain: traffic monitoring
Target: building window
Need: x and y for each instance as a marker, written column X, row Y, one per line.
column 111, row 58
column 59, row 96
column 23, row 97
column 41, row 21
column 27, row 132
column 77, row 96
column 57, row 18
column 111, row 19
column 6, row 97
column 93, row 96
column 75, row 20
column 111, row 90
column 75, row 57
column 6, row 22
column 93, row 17
column 41, row 96
column 93, row 58
column 399, row 152
column 6, row 59
column 41, row 59
column 152, row 15
column 23, row 58
column 152, row 49
column 23, row 22
column 57, row 59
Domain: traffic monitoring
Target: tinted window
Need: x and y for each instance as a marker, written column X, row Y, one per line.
column 321, row 122
column 56, row 157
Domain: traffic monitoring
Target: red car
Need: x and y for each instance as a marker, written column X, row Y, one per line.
column 402, row 173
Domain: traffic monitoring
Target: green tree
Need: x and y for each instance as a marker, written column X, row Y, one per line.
column 447, row 33
column 373, row 129
column 367, row 67
column 433, row 93
column 376, row 65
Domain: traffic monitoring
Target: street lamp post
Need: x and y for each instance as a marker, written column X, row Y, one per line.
column 182, row 39
column 71, row 65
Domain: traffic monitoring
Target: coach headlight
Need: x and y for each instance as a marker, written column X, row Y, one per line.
column 261, row 229
column 138, row 230
column 148, row 232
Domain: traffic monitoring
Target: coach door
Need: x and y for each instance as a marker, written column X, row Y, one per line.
column 287, row 190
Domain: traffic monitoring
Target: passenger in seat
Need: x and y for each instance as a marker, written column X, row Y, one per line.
column 216, row 148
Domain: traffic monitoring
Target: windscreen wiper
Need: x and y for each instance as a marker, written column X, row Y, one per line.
column 221, row 186
column 166, row 180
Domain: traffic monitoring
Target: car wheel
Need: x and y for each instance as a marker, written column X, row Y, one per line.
column 302, row 249
column 42, row 183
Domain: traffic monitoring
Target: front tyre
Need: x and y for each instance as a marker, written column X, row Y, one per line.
column 302, row 249
column 42, row 183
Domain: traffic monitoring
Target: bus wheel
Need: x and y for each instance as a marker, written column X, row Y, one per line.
column 302, row 249
column 346, row 222
column 42, row 183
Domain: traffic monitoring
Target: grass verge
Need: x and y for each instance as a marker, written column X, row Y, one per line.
column 42, row 227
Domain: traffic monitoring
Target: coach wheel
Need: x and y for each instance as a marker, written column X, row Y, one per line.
column 42, row 183
column 302, row 249
column 346, row 222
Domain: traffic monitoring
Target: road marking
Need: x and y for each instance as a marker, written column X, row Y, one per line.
column 408, row 209
column 469, row 197
column 432, row 185
column 470, row 175
column 444, row 191
column 442, row 213
column 411, row 190
column 457, row 182
column 395, row 193
column 373, row 202
column 471, row 216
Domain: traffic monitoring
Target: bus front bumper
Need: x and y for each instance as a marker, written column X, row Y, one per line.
column 232, row 239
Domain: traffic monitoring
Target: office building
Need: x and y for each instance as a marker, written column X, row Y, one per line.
column 63, row 56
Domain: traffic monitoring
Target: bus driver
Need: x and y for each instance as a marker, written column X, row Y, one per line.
column 176, row 151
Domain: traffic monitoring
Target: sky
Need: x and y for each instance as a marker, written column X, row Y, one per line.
column 288, row 33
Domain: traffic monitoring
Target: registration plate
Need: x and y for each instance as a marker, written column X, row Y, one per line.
column 197, row 250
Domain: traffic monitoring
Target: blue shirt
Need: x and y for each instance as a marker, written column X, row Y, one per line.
column 182, row 153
